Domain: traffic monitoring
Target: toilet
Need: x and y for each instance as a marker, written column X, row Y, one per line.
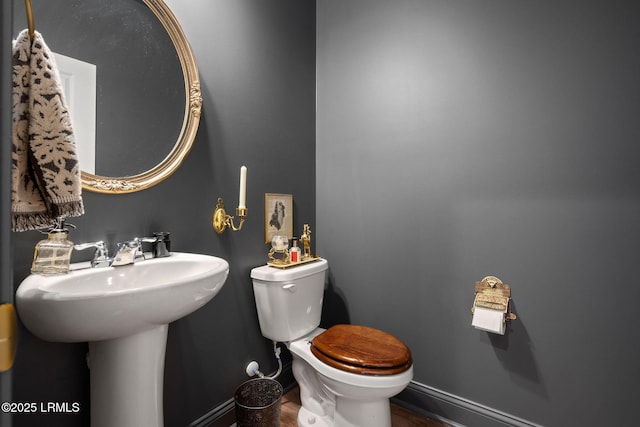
column 346, row 373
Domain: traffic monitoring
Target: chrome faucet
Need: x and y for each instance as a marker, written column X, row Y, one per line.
column 100, row 256
column 128, row 253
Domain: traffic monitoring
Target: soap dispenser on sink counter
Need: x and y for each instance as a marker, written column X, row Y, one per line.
column 53, row 255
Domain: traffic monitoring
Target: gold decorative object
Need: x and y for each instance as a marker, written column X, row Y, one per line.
column 195, row 99
column 306, row 242
column 284, row 262
column 491, row 293
column 30, row 21
column 221, row 220
column 279, row 253
column 113, row 185
column 193, row 106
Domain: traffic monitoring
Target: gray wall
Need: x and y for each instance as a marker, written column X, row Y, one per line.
column 459, row 139
column 257, row 70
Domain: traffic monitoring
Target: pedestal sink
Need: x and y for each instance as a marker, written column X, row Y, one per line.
column 123, row 312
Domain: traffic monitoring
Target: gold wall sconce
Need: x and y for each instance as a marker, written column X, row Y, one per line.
column 492, row 305
column 222, row 220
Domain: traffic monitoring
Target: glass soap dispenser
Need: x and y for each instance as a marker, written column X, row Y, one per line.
column 53, row 255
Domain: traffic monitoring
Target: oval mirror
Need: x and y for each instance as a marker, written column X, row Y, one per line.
column 146, row 87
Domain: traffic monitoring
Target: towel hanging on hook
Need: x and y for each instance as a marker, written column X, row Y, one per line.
column 45, row 175
column 30, row 22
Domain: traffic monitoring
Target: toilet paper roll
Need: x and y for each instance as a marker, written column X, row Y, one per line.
column 488, row 320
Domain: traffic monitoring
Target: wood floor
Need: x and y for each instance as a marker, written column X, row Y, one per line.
column 400, row 417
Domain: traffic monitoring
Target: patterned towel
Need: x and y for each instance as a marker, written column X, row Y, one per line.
column 45, row 175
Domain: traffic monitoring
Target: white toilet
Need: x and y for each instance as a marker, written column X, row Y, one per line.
column 346, row 373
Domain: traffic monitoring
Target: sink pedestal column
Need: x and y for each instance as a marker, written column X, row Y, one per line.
column 127, row 379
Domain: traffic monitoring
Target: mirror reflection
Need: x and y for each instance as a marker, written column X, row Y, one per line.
column 141, row 83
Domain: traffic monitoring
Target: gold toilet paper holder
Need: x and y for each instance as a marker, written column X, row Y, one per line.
column 491, row 293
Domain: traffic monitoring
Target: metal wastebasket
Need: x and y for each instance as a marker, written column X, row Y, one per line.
column 257, row 403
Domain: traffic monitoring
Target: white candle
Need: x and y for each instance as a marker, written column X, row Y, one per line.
column 242, row 201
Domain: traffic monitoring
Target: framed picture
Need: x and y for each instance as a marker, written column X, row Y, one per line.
column 278, row 216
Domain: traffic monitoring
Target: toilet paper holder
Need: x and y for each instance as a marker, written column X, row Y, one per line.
column 491, row 293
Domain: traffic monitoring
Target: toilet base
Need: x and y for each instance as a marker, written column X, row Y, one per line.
column 307, row 418
column 356, row 413
column 350, row 414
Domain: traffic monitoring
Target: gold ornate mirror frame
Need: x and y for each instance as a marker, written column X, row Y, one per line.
column 193, row 106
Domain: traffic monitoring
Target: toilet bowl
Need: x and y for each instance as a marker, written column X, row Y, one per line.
column 347, row 373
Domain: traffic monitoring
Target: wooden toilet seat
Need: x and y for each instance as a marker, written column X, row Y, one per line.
column 361, row 350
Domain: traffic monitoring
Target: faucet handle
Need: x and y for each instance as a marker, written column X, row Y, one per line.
column 100, row 256
column 160, row 244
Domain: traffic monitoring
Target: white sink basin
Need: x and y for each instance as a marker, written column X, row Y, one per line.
column 96, row 304
column 123, row 312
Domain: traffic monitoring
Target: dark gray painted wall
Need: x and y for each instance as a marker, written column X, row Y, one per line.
column 458, row 139
column 257, row 70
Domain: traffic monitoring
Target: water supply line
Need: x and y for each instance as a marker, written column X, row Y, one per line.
column 253, row 368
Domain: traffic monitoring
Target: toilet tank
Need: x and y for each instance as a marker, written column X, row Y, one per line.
column 289, row 301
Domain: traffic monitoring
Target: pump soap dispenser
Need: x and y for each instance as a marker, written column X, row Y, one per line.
column 53, row 255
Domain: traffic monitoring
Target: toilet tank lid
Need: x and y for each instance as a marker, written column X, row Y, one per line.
column 273, row 274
